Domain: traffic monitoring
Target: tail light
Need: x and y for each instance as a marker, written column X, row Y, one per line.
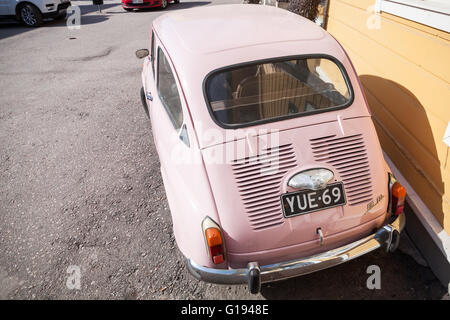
column 214, row 240
column 397, row 196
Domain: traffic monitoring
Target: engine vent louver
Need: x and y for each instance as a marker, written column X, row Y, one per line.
column 258, row 180
column 348, row 156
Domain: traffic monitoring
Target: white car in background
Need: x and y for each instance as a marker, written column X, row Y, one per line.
column 33, row 12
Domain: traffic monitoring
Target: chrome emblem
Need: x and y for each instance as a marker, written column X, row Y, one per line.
column 313, row 179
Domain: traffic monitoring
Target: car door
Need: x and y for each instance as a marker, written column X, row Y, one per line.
column 149, row 83
column 6, row 7
column 176, row 144
column 184, row 176
column 171, row 131
column 149, row 74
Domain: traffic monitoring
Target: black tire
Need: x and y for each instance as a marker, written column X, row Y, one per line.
column 30, row 15
column 128, row 9
column 176, row 1
column 164, row 4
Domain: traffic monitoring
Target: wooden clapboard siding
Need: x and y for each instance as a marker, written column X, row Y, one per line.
column 405, row 71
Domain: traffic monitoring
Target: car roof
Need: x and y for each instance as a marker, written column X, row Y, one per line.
column 203, row 39
column 212, row 29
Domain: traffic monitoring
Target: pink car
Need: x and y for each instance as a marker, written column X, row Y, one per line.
column 270, row 160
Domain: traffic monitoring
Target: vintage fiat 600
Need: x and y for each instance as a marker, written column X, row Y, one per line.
column 269, row 157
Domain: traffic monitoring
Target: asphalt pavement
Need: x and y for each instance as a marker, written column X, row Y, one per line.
column 80, row 188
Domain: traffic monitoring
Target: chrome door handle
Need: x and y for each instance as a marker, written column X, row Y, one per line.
column 149, row 96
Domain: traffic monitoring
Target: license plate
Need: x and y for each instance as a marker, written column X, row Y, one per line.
column 306, row 201
column 137, row 1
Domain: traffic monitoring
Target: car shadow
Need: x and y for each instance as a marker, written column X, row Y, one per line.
column 10, row 27
column 400, row 278
column 402, row 123
column 405, row 133
column 89, row 7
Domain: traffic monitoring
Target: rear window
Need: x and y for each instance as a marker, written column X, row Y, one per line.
column 268, row 91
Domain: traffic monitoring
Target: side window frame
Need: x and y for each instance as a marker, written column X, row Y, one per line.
column 152, row 53
column 177, row 128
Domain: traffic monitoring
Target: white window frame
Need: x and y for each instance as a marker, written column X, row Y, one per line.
column 433, row 13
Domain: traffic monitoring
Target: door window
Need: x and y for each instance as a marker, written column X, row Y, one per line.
column 168, row 91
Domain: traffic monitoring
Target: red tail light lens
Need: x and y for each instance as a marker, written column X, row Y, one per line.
column 398, row 195
column 215, row 244
column 214, row 241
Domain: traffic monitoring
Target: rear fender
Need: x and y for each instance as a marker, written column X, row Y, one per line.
column 190, row 201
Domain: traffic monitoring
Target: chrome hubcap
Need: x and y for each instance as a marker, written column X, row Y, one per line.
column 164, row 3
column 28, row 16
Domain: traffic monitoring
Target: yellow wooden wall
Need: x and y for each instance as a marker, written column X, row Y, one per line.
column 404, row 68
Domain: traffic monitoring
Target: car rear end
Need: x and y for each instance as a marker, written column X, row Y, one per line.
column 288, row 129
column 140, row 4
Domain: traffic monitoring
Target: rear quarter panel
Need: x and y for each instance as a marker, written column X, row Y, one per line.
column 185, row 180
column 190, row 201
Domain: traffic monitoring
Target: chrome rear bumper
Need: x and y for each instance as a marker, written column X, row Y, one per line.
column 386, row 237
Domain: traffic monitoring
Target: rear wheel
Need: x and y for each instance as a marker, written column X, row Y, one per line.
column 128, row 9
column 30, row 15
column 176, row 1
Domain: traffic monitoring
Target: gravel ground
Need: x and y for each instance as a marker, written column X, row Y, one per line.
column 80, row 182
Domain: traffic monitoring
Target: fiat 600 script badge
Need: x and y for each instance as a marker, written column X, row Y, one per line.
column 306, row 201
